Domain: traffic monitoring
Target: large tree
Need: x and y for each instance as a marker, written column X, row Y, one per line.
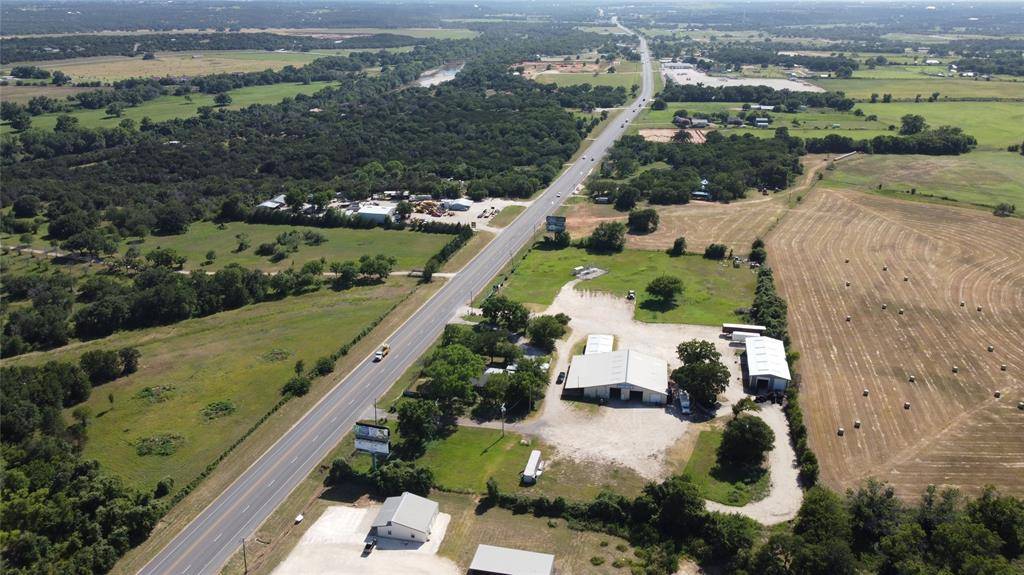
column 745, row 441
column 702, row 380
column 665, row 288
column 544, row 330
column 505, row 313
column 608, row 237
column 448, row 373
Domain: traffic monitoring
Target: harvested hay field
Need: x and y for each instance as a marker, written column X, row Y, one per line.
column 736, row 225
column 666, row 135
column 956, row 431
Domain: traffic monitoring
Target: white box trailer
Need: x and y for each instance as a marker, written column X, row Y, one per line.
column 532, row 470
column 731, row 327
column 741, row 336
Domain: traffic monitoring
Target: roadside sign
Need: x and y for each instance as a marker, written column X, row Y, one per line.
column 373, row 438
column 556, row 223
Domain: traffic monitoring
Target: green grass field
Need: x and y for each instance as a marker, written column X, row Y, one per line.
column 903, row 89
column 412, row 249
column 712, row 291
column 506, row 216
column 626, row 74
column 466, row 459
column 169, row 107
column 979, row 178
column 243, row 356
column 995, row 124
column 724, row 487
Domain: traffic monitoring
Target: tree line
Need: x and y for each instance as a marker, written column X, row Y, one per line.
column 764, row 95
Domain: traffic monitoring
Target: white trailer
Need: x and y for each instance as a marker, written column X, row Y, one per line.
column 741, row 336
column 731, row 327
column 532, row 470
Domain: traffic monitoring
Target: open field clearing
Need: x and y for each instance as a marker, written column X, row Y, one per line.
column 242, row 356
column 439, row 33
column 978, row 178
column 170, row 107
column 626, row 75
column 412, row 249
column 191, row 63
column 713, row 291
column 953, row 88
column 955, row 432
column 736, row 224
column 22, row 94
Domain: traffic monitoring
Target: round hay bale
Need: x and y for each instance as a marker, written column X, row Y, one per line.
column 1002, row 367
column 911, row 379
column 1020, row 405
column 847, row 284
column 906, row 405
column 885, row 268
column 962, row 303
column 901, row 311
column 979, row 308
column 865, row 392
column 847, row 260
column 883, row 306
column 847, row 318
column 956, row 369
column 906, row 278
column 856, row 424
column 998, row 394
column 840, row 432
column 991, row 349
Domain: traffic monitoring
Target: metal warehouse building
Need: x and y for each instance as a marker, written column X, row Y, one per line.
column 766, row 364
column 492, row 560
column 408, row 517
column 624, row 374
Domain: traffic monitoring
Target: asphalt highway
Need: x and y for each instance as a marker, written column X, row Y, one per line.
column 216, row 533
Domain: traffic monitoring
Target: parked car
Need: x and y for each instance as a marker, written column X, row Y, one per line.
column 684, row 402
column 561, row 378
column 631, row 295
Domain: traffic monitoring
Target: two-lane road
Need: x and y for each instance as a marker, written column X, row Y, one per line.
column 212, row 537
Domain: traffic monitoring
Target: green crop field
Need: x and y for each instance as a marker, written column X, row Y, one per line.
column 979, row 178
column 626, row 74
column 412, row 249
column 713, row 291
column 170, row 107
column 729, row 488
column 908, row 89
column 243, row 356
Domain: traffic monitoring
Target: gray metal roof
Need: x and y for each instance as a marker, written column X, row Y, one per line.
column 511, row 561
column 618, row 368
column 767, row 356
column 408, row 510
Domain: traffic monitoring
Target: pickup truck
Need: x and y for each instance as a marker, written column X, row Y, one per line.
column 382, row 352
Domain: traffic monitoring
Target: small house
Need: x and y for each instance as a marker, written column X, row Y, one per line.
column 273, row 203
column 699, row 123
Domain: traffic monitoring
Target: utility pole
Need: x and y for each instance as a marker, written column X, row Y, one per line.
column 245, row 560
column 503, row 420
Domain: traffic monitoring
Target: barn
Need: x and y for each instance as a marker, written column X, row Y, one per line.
column 767, row 369
column 618, row 375
column 408, row 517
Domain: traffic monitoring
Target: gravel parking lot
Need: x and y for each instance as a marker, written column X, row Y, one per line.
column 334, row 545
column 492, row 206
column 630, row 434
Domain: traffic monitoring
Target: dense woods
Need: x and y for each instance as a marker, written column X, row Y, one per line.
column 764, row 95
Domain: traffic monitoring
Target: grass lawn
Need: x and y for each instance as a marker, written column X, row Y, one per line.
column 862, row 88
column 506, row 216
column 712, row 290
column 626, row 74
column 980, row 178
column 243, row 356
column 412, row 249
column 726, row 487
column 573, row 550
column 170, row 107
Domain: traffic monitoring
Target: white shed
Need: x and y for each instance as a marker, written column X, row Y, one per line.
column 492, row 560
column 623, row 374
column 766, row 364
column 378, row 214
column 458, row 204
column 408, row 517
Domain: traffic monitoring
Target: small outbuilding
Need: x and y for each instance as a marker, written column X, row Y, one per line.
column 618, row 375
column 273, row 203
column 407, row 517
column 493, row 560
column 599, row 343
column 767, row 369
column 458, row 204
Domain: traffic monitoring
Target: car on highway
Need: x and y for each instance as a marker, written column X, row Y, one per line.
column 382, row 353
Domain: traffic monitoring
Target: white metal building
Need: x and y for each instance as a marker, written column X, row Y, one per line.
column 408, row 517
column 599, row 343
column 623, row 374
column 376, row 213
column 766, row 364
column 491, row 560
column 458, row 204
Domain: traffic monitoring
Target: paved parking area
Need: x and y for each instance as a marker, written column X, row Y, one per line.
column 334, row 544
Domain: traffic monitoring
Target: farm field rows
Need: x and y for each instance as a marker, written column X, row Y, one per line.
column 955, row 432
column 243, row 356
column 412, row 249
column 170, row 107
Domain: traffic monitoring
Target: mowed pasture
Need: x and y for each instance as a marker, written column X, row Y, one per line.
column 22, row 94
column 191, row 63
column 626, row 75
column 956, row 431
column 241, row 356
column 909, row 88
column 411, row 249
column 171, row 107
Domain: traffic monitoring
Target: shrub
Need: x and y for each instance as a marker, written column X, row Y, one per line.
column 715, row 251
column 595, row 561
column 678, row 247
column 323, row 366
column 163, row 487
column 101, row 365
column 296, row 386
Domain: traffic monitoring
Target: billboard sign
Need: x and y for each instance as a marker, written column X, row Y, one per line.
column 556, row 223
column 373, row 438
